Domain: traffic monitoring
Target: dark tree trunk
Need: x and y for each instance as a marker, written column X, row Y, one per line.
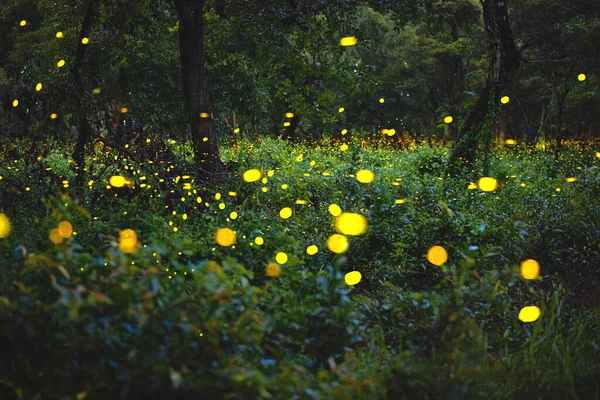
column 195, row 87
column 85, row 130
column 505, row 60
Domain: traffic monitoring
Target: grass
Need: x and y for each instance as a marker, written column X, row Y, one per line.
column 184, row 316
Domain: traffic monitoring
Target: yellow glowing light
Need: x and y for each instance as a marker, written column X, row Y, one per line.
column 530, row 269
column 124, row 110
column 448, row 119
column 510, row 142
column 117, row 181
column 312, row 250
column 529, row 314
column 252, row 175
column 284, row 186
column 299, row 158
column 204, row 115
column 365, row 176
column 399, row 201
column 236, row 130
column 85, row 40
column 437, row 255
column 15, row 103
column 334, row 210
column 23, row 23
column 259, row 240
column 337, row 243
column 352, row 278
column 128, row 241
column 285, row 213
column 488, row 184
column 53, row 116
column 572, row 179
column 59, row 35
column 96, row 91
column 286, row 124
column 348, row 41
column 273, row 270
column 5, row 226
column 344, row 147
column 55, row 236
column 581, row 77
column 38, row 87
column 351, row 224
column 60, row 64
column 505, row 100
column 289, row 115
column 225, row 237
column 472, row 186
column 233, row 215
column 281, row 258
column 382, row 100
column 65, row 229
column 344, row 131
column 341, row 109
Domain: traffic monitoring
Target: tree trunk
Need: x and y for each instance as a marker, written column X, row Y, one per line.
column 505, row 60
column 195, row 87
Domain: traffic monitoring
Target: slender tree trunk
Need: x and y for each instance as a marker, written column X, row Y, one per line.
column 195, row 87
column 505, row 60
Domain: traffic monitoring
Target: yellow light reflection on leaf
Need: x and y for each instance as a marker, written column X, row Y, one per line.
column 529, row 313
column 281, row 258
column 437, row 255
column 337, row 243
column 5, row 226
column 530, row 269
column 252, row 175
column 117, row 181
column 488, row 184
column 225, row 237
column 351, row 224
column 96, row 91
column 365, row 176
column 273, row 270
column 352, row 278
column 348, row 41
column 472, row 186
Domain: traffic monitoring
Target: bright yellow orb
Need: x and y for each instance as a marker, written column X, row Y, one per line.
column 312, row 250
column 448, row 119
column 344, row 147
column 233, row 215
column 281, row 258
column 382, row 100
column 334, row 210
column 5, row 226
column 55, row 236
column 273, row 270
column 23, row 23
column 365, row 176
column 85, row 40
column 38, row 87
column 337, row 243
column 259, row 240
column 510, row 142
column 488, row 184
column 437, row 255
column 252, row 175
column 285, row 213
column 581, row 77
column 60, row 64
column 352, row 278
column 65, row 229
column 529, row 314
column 530, row 269
column 15, row 103
column 53, row 116
column 225, row 237
column 289, row 115
column 128, row 241
column 505, row 100
column 351, row 224
column 348, row 41
column 341, row 109
column 59, row 35
column 117, row 181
